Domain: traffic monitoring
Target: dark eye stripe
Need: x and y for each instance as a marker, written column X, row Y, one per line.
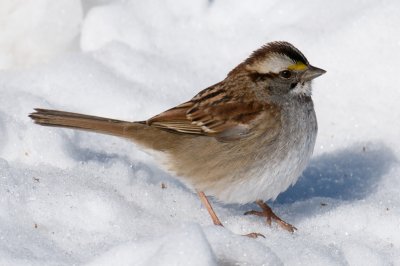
column 255, row 76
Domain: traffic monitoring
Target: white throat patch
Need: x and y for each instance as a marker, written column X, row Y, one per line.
column 302, row 89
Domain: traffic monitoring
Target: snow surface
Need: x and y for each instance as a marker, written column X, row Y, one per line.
column 74, row 198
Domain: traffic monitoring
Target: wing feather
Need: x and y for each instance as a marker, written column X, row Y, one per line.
column 212, row 112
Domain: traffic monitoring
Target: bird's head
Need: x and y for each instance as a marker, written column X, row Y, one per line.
column 281, row 69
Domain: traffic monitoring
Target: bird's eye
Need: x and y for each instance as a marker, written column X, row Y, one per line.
column 285, row 74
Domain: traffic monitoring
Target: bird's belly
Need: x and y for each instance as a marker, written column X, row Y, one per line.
column 268, row 176
column 242, row 172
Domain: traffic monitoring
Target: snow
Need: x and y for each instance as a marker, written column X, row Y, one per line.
column 75, row 198
column 35, row 31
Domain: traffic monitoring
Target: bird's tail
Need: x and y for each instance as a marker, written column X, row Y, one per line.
column 139, row 132
column 103, row 125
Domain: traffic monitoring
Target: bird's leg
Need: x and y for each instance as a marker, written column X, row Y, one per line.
column 209, row 208
column 270, row 215
column 214, row 216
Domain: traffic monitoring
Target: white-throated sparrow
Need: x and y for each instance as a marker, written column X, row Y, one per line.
column 244, row 139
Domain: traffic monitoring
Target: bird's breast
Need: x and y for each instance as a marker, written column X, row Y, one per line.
column 276, row 164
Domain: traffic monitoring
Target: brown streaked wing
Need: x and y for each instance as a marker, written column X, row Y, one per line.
column 175, row 119
column 212, row 112
column 216, row 119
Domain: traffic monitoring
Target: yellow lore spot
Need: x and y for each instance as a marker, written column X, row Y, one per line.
column 297, row 66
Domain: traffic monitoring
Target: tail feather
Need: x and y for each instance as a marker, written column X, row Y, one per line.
column 139, row 132
column 56, row 118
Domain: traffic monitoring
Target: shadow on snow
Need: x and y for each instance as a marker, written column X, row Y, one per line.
column 349, row 174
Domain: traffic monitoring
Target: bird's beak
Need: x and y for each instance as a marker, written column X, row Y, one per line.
column 312, row 72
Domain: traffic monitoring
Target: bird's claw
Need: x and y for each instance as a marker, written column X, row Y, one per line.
column 270, row 215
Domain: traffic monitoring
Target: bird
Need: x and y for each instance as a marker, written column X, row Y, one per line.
column 244, row 139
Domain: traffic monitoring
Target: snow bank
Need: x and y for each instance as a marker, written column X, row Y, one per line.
column 77, row 198
column 32, row 32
